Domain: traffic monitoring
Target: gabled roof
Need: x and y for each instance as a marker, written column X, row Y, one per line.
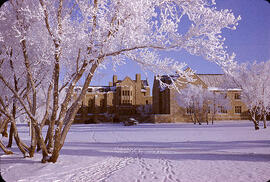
column 144, row 83
column 218, row 81
column 127, row 78
column 211, row 81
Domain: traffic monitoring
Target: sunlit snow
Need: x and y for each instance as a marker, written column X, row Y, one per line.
column 226, row 151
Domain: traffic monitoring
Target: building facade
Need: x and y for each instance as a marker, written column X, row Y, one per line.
column 166, row 107
column 120, row 99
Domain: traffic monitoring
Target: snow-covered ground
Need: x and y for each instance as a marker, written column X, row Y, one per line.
column 225, row 151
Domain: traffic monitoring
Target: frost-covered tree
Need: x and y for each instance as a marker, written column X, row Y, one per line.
column 217, row 102
column 200, row 102
column 17, row 95
column 194, row 98
column 254, row 80
column 56, row 44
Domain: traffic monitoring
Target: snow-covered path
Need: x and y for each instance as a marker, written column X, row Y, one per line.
column 226, row 151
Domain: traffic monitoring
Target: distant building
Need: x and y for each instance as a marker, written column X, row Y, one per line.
column 121, row 99
column 166, row 109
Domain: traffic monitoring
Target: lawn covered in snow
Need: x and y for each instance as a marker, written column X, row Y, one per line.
column 226, row 151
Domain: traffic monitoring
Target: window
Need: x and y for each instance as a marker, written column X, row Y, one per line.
column 146, row 102
column 126, row 92
column 89, row 90
column 238, row 109
column 190, row 110
column 126, row 102
column 91, row 105
column 224, row 95
column 102, row 103
column 237, row 96
column 222, row 109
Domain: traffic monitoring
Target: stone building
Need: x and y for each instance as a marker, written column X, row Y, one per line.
column 117, row 101
column 166, row 108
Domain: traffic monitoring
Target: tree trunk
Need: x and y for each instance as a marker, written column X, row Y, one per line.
column 253, row 118
column 11, row 133
column 49, row 136
column 4, row 132
column 264, row 120
column 41, row 143
column 33, row 140
column 22, row 147
column 50, row 131
column 69, row 114
column 2, row 146
column 194, row 118
column 213, row 115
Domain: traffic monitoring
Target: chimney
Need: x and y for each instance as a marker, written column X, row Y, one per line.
column 138, row 78
column 114, row 80
column 110, row 84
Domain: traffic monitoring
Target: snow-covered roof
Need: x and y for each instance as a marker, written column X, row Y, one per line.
column 98, row 88
column 217, row 82
column 213, row 81
column 101, row 88
column 168, row 78
column 145, row 83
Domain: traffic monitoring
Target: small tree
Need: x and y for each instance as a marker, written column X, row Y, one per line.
column 201, row 101
column 253, row 79
column 217, row 101
column 194, row 99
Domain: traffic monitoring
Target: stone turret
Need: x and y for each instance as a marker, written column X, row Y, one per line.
column 114, row 80
column 138, row 78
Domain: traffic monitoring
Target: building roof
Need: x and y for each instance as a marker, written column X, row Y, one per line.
column 218, row 81
column 101, row 88
column 213, row 81
column 168, row 78
column 145, row 83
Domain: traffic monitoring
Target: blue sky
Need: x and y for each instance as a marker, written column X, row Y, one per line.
column 250, row 41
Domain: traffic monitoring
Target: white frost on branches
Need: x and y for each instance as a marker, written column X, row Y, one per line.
column 254, row 80
column 63, row 43
column 200, row 101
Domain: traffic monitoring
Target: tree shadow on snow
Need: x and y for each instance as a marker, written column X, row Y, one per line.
column 193, row 150
column 15, row 160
